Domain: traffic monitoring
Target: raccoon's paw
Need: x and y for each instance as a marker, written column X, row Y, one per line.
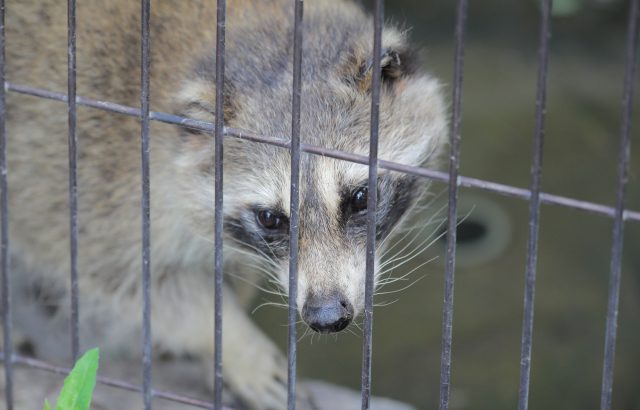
column 259, row 377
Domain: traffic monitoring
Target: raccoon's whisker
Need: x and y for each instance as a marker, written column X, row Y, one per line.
column 350, row 331
column 398, row 258
column 386, row 303
column 298, row 322
column 408, row 259
column 358, row 325
column 306, row 332
column 420, row 249
column 274, row 281
column 259, row 267
column 404, row 277
column 412, row 230
column 421, row 228
column 401, row 289
column 271, row 292
column 400, row 227
column 239, row 247
column 269, row 273
column 276, row 304
column 424, row 201
column 267, row 244
column 271, row 278
column 415, row 237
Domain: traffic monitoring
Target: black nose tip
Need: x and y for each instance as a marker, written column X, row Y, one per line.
column 328, row 314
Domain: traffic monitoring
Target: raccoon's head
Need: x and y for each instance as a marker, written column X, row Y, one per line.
column 335, row 113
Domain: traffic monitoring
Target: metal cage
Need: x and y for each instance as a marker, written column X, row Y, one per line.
column 533, row 195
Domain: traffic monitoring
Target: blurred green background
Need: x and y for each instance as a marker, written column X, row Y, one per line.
column 580, row 158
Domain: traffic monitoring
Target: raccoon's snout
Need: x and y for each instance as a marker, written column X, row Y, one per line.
column 327, row 314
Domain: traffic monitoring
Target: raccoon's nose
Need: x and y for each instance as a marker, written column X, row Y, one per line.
column 328, row 314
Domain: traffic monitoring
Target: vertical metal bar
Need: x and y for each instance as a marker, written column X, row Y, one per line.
column 534, row 207
column 294, row 202
column 4, row 229
column 145, row 204
column 454, row 166
column 372, row 201
column 218, row 216
column 618, row 224
column 73, row 184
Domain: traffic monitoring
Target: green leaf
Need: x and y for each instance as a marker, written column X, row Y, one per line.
column 78, row 386
column 46, row 405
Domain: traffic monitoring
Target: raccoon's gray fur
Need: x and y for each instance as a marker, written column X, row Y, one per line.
column 335, row 114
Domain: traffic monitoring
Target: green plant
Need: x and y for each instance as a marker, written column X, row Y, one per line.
column 79, row 384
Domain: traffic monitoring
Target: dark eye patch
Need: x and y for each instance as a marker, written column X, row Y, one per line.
column 395, row 196
column 254, row 229
column 402, row 193
column 353, row 203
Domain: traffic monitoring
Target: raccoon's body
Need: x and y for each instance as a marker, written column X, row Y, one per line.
column 336, row 69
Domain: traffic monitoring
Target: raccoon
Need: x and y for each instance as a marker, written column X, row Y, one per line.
column 335, row 113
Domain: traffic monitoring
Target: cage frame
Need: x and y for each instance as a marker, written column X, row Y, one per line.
column 534, row 195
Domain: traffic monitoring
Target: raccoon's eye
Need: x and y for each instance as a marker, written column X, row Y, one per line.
column 270, row 220
column 359, row 200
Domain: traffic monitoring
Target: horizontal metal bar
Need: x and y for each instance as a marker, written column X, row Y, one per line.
column 111, row 382
column 467, row 182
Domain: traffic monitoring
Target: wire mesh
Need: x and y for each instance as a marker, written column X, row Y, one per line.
column 534, row 195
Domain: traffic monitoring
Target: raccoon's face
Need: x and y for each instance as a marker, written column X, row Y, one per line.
column 335, row 113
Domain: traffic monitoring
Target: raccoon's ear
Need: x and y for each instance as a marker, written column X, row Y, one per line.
column 196, row 100
column 395, row 64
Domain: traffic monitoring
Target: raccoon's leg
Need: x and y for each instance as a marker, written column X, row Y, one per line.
column 254, row 368
column 252, row 364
